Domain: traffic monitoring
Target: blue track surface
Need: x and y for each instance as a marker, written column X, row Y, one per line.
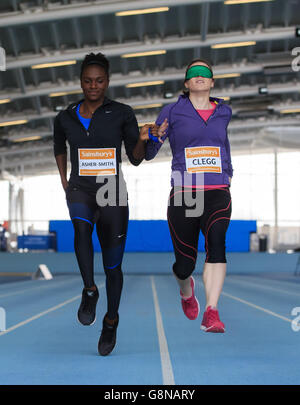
column 45, row 344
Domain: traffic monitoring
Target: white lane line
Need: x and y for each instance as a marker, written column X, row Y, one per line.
column 15, row 274
column 260, row 286
column 257, row 307
column 250, row 304
column 167, row 371
column 18, row 325
column 39, row 287
column 259, row 279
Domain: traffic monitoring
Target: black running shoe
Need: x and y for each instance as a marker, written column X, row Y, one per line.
column 108, row 337
column 87, row 310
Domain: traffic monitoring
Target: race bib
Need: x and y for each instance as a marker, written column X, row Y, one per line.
column 203, row 159
column 97, row 162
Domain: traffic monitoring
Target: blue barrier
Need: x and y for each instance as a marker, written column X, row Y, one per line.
column 154, row 236
column 37, row 242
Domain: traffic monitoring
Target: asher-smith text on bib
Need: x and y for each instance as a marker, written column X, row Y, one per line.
column 97, row 162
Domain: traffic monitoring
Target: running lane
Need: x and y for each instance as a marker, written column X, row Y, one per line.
column 156, row 342
column 258, row 347
column 54, row 348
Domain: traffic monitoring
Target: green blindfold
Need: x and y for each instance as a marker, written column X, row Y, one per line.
column 198, row 70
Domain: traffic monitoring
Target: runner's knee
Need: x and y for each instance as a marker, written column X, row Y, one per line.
column 183, row 268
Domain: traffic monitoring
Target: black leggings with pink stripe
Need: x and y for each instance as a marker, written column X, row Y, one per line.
column 213, row 223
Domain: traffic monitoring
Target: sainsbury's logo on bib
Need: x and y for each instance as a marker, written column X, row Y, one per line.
column 97, row 154
column 203, row 159
column 97, row 162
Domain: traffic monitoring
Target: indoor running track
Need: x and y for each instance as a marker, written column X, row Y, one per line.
column 44, row 343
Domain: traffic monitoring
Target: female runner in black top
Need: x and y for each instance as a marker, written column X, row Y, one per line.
column 95, row 128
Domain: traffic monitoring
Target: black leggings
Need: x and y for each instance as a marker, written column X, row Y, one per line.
column 111, row 226
column 213, row 223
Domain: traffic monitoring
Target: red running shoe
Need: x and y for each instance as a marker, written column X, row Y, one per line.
column 211, row 321
column 190, row 306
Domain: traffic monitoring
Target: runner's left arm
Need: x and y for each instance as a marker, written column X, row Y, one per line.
column 134, row 146
column 227, row 147
column 163, row 120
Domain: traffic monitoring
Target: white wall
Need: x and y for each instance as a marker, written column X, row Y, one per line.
column 149, row 186
column 148, row 189
column 3, row 200
column 253, row 188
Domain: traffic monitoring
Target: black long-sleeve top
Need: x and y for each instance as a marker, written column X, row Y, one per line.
column 111, row 124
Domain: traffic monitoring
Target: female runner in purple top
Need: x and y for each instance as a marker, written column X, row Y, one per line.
column 196, row 126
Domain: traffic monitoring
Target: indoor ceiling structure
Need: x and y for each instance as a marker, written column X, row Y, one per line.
column 254, row 46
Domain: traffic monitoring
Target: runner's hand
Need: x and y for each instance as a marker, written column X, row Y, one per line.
column 65, row 184
column 144, row 132
column 157, row 131
column 160, row 131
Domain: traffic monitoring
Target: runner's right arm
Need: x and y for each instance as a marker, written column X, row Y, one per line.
column 152, row 147
column 60, row 151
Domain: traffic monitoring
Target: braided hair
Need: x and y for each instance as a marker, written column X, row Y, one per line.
column 95, row 59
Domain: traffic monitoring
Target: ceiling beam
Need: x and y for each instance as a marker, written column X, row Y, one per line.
column 169, row 44
column 134, row 77
column 22, row 150
column 60, row 12
column 204, row 21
